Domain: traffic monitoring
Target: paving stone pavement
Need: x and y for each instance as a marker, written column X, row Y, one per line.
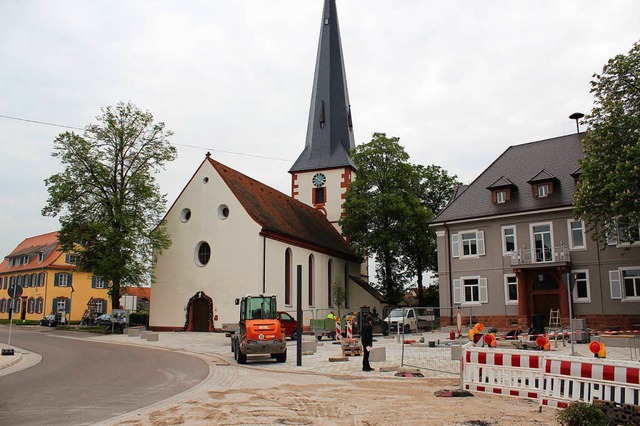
column 225, row 374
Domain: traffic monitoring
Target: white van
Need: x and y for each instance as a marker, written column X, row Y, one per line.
column 410, row 318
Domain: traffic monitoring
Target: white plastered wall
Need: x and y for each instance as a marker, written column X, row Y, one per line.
column 235, row 267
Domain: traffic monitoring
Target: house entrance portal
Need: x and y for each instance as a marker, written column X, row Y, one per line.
column 199, row 313
column 545, row 296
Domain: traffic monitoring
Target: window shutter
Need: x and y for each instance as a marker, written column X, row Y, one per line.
column 70, row 280
column 67, row 307
column 480, row 237
column 484, row 297
column 457, row 291
column 93, row 281
column 614, row 284
column 104, row 306
column 67, row 258
column 54, row 308
column 56, row 279
column 455, row 245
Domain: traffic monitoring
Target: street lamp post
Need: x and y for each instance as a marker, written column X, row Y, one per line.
column 571, row 284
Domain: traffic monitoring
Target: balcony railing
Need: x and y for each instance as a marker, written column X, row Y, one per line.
column 559, row 254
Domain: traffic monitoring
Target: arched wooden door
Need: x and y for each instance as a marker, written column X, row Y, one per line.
column 199, row 313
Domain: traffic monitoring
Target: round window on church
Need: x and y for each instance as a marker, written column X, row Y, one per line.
column 205, row 180
column 185, row 215
column 203, row 253
column 223, row 211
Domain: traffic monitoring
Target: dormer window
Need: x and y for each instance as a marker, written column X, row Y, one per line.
column 543, row 184
column 543, row 190
column 502, row 190
column 40, row 257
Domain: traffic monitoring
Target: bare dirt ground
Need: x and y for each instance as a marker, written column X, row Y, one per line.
column 347, row 401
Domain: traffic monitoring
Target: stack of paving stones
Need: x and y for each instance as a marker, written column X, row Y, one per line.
column 351, row 347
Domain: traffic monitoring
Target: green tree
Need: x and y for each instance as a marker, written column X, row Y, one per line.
column 338, row 294
column 433, row 186
column 609, row 191
column 377, row 206
column 108, row 202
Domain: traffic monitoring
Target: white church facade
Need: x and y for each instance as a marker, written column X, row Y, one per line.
column 232, row 235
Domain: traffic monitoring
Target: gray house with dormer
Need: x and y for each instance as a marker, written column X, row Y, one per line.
column 508, row 244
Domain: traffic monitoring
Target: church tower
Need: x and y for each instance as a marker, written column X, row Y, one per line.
column 321, row 174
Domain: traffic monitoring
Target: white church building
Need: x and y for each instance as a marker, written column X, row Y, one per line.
column 232, row 235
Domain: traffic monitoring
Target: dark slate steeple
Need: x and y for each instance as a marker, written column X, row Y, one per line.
column 330, row 130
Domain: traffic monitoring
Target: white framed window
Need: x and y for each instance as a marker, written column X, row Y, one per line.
column 501, row 196
column 542, row 241
column 470, row 290
column 100, row 306
column 624, row 284
column 543, row 190
column 628, row 235
column 577, row 240
column 581, row 290
column 510, row 289
column 71, row 258
column 62, row 280
column 98, row 282
column 508, row 239
column 467, row 244
column 630, row 280
column 40, row 257
column 61, row 305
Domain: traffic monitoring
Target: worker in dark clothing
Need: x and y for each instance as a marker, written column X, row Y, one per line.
column 367, row 343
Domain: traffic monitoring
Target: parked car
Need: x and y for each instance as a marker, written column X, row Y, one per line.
column 379, row 326
column 289, row 325
column 49, row 321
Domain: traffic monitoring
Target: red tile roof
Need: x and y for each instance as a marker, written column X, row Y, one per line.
column 32, row 246
column 144, row 292
column 283, row 217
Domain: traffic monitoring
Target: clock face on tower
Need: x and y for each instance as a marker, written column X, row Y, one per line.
column 319, row 179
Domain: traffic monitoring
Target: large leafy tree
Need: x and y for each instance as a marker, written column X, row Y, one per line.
column 433, row 186
column 377, row 207
column 108, row 202
column 609, row 191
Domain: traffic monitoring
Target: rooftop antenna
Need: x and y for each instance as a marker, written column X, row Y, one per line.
column 577, row 116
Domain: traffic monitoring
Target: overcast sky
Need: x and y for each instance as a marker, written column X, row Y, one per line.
column 457, row 81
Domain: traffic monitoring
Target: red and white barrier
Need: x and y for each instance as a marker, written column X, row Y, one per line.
column 338, row 330
column 507, row 372
column 568, row 379
column 554, row 380
column 349, row 330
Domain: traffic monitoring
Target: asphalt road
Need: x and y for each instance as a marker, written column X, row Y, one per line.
column 81, row 382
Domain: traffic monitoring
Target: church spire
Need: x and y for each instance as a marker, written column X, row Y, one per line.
column 329, row 131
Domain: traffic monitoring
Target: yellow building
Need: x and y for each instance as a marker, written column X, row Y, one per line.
column 50, row 282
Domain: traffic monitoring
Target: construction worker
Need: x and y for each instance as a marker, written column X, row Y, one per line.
column 331, row 316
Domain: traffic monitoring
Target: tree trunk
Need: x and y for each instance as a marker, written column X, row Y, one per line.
column 388, row 284
column 115, row 295
column 421, row 298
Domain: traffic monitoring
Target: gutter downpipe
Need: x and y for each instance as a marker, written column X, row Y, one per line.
column 447, row 239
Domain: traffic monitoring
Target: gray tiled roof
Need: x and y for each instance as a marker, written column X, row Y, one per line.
column 329, row 132
column 550, row 158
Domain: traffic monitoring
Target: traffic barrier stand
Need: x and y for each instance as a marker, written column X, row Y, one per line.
column 504, row 372
column 568, row 379
column 349, row 330
column 338, row 330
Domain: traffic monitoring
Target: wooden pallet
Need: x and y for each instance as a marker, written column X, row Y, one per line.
column 351, row 347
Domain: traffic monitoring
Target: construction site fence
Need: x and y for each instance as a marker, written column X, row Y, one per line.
column 432, row 346
column 553, row 380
